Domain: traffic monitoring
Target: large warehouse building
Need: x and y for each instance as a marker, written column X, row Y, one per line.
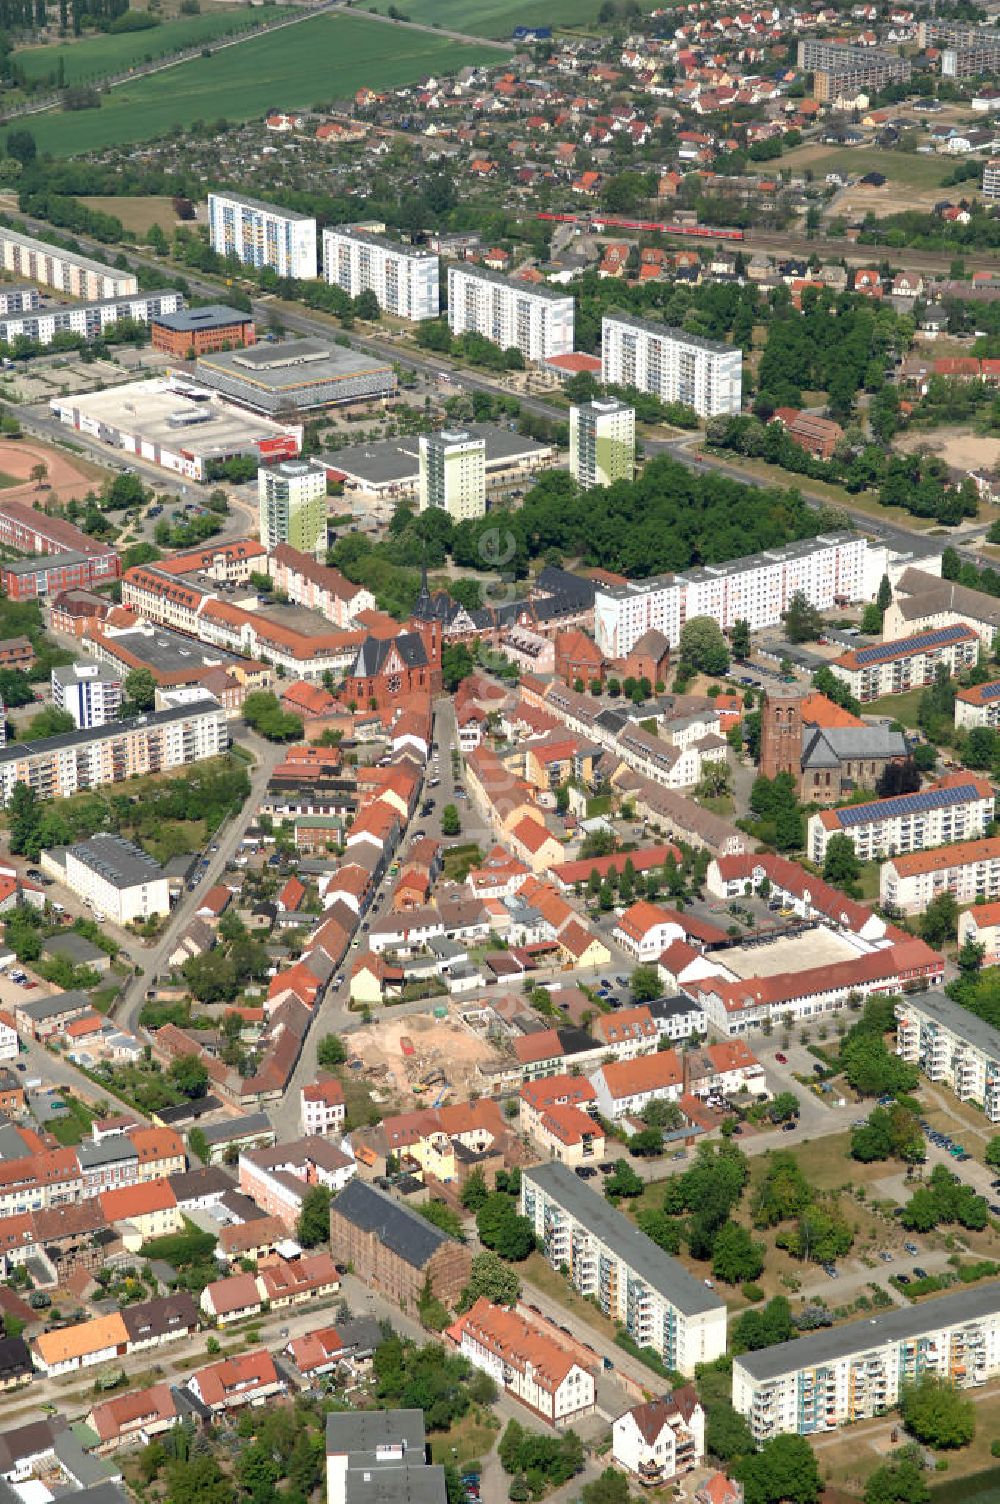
column 176, row 424
column 298, row 375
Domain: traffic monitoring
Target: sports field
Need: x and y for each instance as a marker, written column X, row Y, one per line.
column 496, row 18
column 324, row 58
column 98, row 57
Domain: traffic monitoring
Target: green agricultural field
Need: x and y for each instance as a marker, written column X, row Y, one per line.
column 497, row 18
column 903, row 168
column 324, row 58
column 101, row 56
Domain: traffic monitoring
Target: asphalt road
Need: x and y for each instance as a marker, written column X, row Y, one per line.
column 154, row 960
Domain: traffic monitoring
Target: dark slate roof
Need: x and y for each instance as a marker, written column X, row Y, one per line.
column 375, row 650
column 15, row 1358
column 572, row 590
column 407, row 1234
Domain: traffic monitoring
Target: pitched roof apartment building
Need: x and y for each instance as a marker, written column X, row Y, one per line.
column 955, row 808
column 525, row 1362
column 634, row 1282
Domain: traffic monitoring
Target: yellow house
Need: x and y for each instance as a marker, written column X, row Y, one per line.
column 369, row 976
column 419, row 1138
column 143, row 1211
column 535, row 844
column 582, row 947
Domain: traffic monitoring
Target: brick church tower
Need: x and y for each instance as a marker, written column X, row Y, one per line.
column 781, row 733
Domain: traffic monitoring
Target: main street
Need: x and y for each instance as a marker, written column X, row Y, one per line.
column 154, row 960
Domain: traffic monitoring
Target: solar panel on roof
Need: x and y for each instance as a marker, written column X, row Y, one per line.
column 880, row 652
column 905, row 804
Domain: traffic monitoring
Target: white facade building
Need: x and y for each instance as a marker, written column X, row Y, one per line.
column 891, row 668
column 703, row 374
column 404, row 278
column 116, row 878
column 453, row 473
column 953, row 1046
column 661, row 1438
column 601, row 442
column 527, row 1363
column 67, row 272
column 90, row 692
column 828, row 570
column 293, row 510
column 511, row 314
column 262, row 234
column 969, row 871
column 843, row 1374
column 957, row 808
column 658, row 1302
column 322, row 1107
column 8, row 1038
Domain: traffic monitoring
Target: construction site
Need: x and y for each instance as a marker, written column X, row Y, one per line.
column 424, row 1059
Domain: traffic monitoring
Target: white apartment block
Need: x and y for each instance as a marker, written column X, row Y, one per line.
column 601, row 442
column 90, row 692
column 849, row 1373
column 891, row 668
column 666, row 363
column 260, row 235
column 979, row 705
column 968, row 871
column 981, row 925
column 86, row 319
column 991, row 179
column 514, row 315
column 952, row 1046
column 404, row 278
column 59, row 766
column 115, row 878
column 67, row 272
column 828, row 570
column 957, row 808
column 453, row 473
column 658, row 1302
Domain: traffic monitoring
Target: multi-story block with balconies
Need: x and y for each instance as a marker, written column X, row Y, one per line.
column 951, row 1046
column 956, row 808
column 849, row 1373
column 404, row 278
column 536, row 320
column 969, row 871
column 634, row 1282
column 260, row 235
column 671, row 364
column 892, row 668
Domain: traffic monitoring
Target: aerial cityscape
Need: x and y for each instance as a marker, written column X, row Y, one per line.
column 499, row 706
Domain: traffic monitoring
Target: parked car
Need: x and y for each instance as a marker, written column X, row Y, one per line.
column 919, row 1273
column 910, row 1248
column 780, row 1058
column 902, row 1279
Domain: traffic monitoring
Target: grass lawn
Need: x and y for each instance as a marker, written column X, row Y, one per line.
column 459, row 860
column 897, row 166
column 324, row 58
column 468, row 1440
column 137, row 214
column 176, row 838
column 9, row 480
column 100, row 56
column 73, row 1125
column 902, row 707
column 869, row 881
column 103, row 997
column 497, row 18
column 537, row 1271
column 849, row 1458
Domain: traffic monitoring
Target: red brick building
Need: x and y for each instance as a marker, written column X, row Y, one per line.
column 37, row 579
column 198, row 331
column 388, row 669
column 781, row 733
column 578, row 657
column 32, row 532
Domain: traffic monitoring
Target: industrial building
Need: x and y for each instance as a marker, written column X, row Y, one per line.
column 601, row 442
column 390, row 468
column 514, row 315
column 66, row 271
column 88, row 320
column 189, row 332
column 39, row 579
column 669, row 364
column 177, row 425
column 634, row 1282
column 404, row 278
column 453, row 473
column 261, row 234
column 292, row 496
column 842, row 1374
column 298, row 375
column 113, row 876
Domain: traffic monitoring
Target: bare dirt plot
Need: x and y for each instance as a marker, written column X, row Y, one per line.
column 69, row 479
column 444, row 1044
column 799, row 953
column 961, row 447
column 138, row 214
column 855, row 202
